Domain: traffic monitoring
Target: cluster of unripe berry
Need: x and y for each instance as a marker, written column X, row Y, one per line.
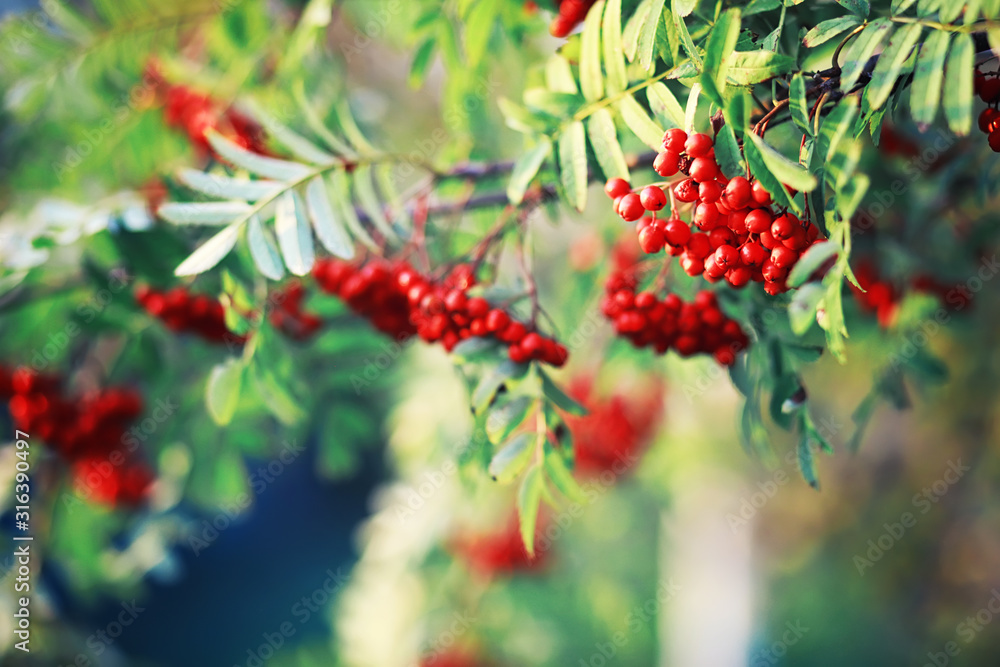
column 402, row 302
column 195, row 113
column 183, row 312
column 987, row 87
column 734, row 232
column 571, row 14
column 85, row 431
column 670, row 323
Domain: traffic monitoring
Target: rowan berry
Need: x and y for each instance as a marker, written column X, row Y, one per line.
column 652, row 198
column 631, row 208
column 698, row 145
column 617, row 187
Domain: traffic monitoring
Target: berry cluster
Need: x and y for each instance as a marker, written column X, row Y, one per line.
column 195, row 113
column 502, row 551
column 735, row 234
column 286, row 314
column 615, row 430
column 987, row 86
column 882, row 297
column 182, row 311
column 84, row 431
column 401, row 302
column 670, row 323
column 571, row 14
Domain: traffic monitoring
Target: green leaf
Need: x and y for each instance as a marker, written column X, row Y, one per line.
column 859, row 7
column 422, row 60
column 209, row 253
column 525, row 170
column 790, row 173
column 861, row 50
column 553, row 393
column 647, row 36
column 827, row 30
column 268, row 167
column 222, row 393
column 341, row 201
column 899, row 6
column 203, row 213
column 342, row 108
column 806, row 462
column 478, row 29
column 811, row 259
column 797, row 104
column 727, row 152
column 633, row 30
column 510, row 461
column 529, row 498
column 299, row 146
column 684, row 7
column 474, row 349
column 721, row 45
column 749, row 67
column 762, row 172
column 489, row 385
column 637, row 120
column 925, row 93
column 294, row 235
column 691, row 108
column 329, row 229
column 262, row 249
column 561, row 476
column 958, row 85
column 802, row 307
column 665, row 105
column 364, row 188
column 275, row 396
column 604, row 140
column 686, row 42
column 559, row 76
column 573, row 164
column 890, row 64
column 226, row 187
column 614, row 54
column 502, row 421
column 591, row 79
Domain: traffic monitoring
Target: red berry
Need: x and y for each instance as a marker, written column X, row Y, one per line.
column 698, row 145
column 726, row 256
column 739, row 276
column 699, row 246
column 666, row 163
column 686, row 191
column 631, row 208
column 455, row 301
column 517, row 354
column 758, row 221
column 783, row 227
column 497, row 320
column 677, row 232
column 533, row 345
column 652, row 198
column 989, row 92
column 706, row 216
column 704, row 169
column 987, row 118
column 994, row 140
column 761, row 196
column 617, row 187
column 753, row 254
column 738, row 193
column 477, row 307
column 514, row 333
column 783, row 257
column 675, row 140
column 651, row 239
column 710, row 191
column 645, row 300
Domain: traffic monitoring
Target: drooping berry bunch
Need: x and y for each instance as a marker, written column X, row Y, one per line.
column 195, row 113
column 402, row 302
column 670, row 323
column 286, row 314
column 571, row 14
column 882, row 296
column 182, row 311
column 987, row 87
column 615, row 430
column 734, row 232
column 89, row 432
